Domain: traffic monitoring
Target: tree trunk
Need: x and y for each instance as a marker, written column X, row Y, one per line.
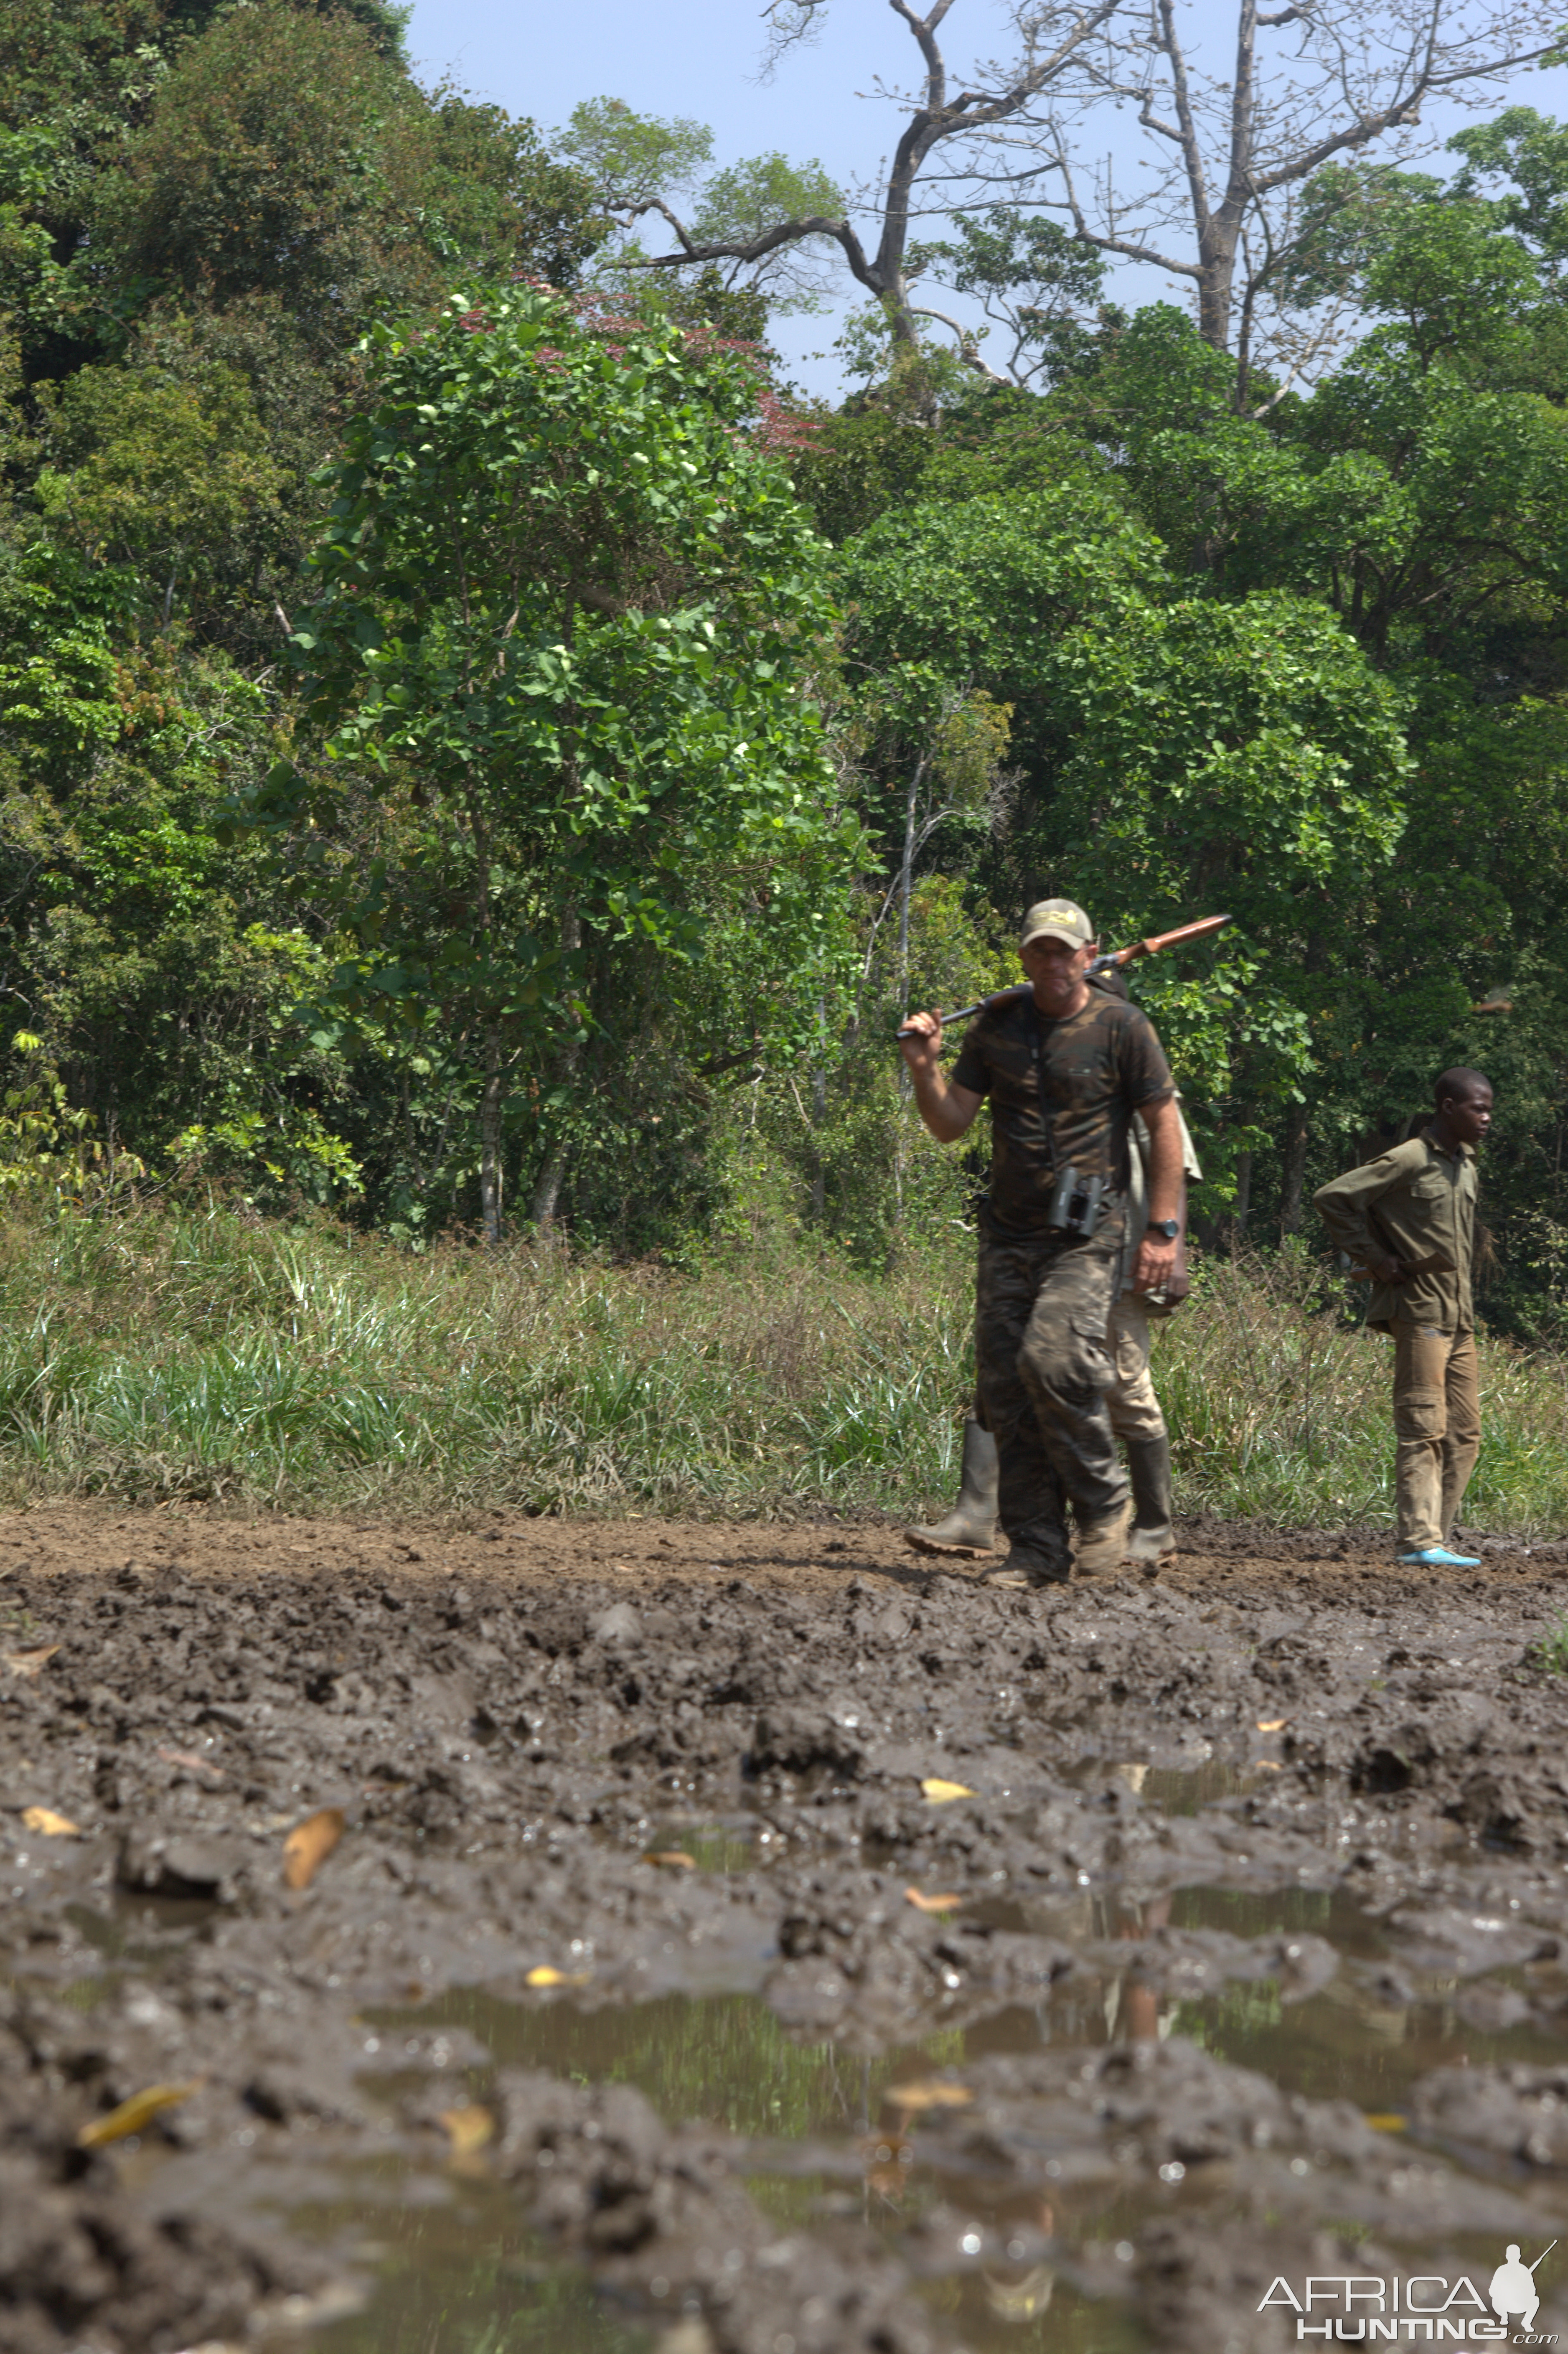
column 1295, row 1171
column 906, row 886
column 490, row 1172
column 1216, row 285
column 547, row 1186
column 547, row 1189
column 819, row 1121
column 1243, row 1200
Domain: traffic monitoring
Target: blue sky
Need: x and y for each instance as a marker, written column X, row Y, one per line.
column 700, row 59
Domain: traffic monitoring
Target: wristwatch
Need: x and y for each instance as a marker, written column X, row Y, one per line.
column 1166, row 1228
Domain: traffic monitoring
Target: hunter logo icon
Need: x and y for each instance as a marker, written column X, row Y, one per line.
column 1420, row 2309
column 1513, row 2294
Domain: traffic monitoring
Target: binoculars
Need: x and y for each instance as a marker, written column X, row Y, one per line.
column 1075, row 1203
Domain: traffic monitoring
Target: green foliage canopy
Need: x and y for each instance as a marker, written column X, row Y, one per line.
column 573, row 612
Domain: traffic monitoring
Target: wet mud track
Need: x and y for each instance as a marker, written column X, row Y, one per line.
column 756, row 1941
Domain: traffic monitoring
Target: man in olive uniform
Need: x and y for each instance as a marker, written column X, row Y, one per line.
column 1067, row 1067
column 1409, row 1219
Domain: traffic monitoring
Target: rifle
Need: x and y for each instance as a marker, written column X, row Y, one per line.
column 1113, row 959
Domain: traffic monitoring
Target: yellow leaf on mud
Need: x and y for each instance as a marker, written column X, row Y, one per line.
column 29, row 1663
column 545, row 1977
column 1385, row 2121
column 935, row 2095
column 309, row 1844
column 924, row 1904
column 48, row 1824
column 938, row 1793
column 138, row 2111
column 468, row 2129
column 1268, row 1765
column 192, row 1762
column 674, row 1856
column 1272, row 1723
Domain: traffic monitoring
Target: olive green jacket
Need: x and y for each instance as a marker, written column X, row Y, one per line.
column 1409, row 1203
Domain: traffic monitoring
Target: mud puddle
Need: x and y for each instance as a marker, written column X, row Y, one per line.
column 462, row 2275
column 750, row 1942
column 826, row 2139
column 832, row 2134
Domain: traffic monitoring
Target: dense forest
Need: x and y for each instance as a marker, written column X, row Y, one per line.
column 478, row 750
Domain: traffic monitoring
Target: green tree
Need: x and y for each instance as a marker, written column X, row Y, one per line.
column 636, row 164
column 285, row 154
column 156, row 971
column 572, row 613
column 1033, row 279
column 173, row 479
column 1243, row 758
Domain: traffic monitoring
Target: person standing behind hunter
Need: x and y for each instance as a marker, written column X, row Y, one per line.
column 1067, row 1067
column 1409, row 1219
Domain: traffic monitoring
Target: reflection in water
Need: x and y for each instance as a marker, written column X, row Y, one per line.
column 1034, row 2314
column 465, row 2278
column 460, row 2277
column 724, row 2060
column 1331, row 1913
column 1023, row 2299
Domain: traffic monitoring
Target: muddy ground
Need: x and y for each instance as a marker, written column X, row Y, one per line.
column 1243, row 1955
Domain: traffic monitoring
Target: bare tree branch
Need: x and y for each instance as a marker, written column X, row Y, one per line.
column 1243, row 144
column 968, row 345
column 1055, row 36
column 755, row 248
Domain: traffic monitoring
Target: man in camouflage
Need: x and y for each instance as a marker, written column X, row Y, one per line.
column 1067, row 1068
column 1131, row 1400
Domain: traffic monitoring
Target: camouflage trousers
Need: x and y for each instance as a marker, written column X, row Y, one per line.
column 1044, row 1364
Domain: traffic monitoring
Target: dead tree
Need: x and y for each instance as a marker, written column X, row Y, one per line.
column 1053, row 51
column 1216, row 206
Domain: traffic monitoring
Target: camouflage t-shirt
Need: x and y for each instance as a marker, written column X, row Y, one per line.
column 1095, row 1070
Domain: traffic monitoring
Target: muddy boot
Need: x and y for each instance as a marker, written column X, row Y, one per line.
column 1148, row 1465
column 1026, row 1568
column 1102, row 1544
column 971, row 1525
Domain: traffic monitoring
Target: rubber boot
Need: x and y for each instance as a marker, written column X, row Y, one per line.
column 1149, row 1467
column 972, row 1525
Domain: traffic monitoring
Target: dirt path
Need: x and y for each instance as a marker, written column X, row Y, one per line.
column 1240, row 1954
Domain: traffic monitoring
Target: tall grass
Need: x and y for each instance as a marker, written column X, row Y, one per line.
column 179, row 1354
column 1279, row 1405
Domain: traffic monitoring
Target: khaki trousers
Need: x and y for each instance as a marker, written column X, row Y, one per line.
column 1437, row 1430
column 1131, row 1401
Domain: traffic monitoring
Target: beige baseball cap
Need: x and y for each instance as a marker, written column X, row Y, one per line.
column 1057, row 920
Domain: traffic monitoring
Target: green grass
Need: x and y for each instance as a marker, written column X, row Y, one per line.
column 1552, row 1649
column 170, row 1353
column 1280, row 1408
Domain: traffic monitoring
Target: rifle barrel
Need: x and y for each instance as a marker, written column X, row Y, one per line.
column 1117, row 956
